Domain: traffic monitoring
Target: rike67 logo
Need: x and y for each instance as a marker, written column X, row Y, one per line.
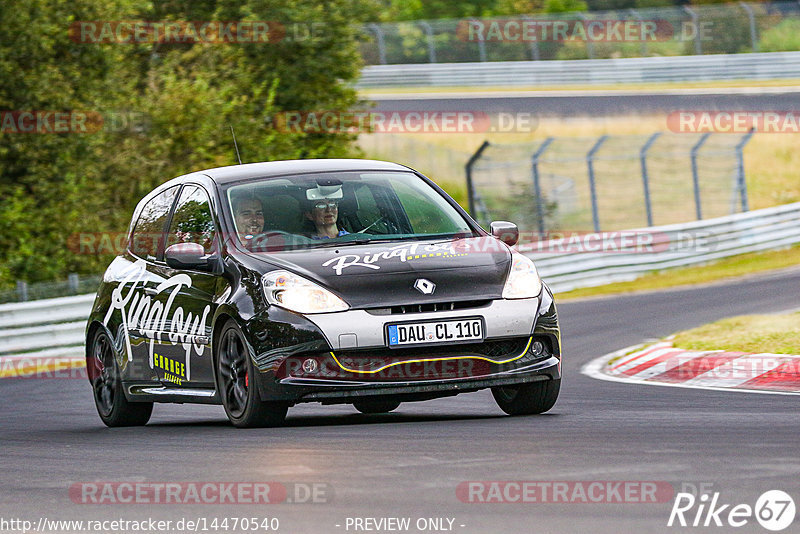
column 774, row 510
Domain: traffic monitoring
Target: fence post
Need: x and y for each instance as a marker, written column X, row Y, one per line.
column 589, row 45
column 534, row 43
column 740, row 178
column 753, row 30
column 22, row 290
column 537, row 185
column 695, row 178
column 592, row 188
column 379, row 39
column 468, row 168
column 481, row 48
column 72, row 282
column 698, row 45
column 645, row 179
column 431, row 43
column 641, row 22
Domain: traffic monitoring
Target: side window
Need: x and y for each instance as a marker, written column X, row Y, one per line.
column 192, row 221
column 149, row 229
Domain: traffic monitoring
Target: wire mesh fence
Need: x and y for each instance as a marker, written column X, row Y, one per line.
column 74, row 285
column 441, row 163
column 609, row 182
column 666, row 31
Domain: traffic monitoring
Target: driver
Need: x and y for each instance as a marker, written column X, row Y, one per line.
column 249, row 217
column 324, row 214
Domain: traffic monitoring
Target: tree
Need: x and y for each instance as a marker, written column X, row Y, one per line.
column 172, row 104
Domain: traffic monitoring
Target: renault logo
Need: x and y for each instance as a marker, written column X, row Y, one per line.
column 426, row 287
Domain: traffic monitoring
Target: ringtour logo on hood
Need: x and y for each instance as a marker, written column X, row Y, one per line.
column 413, row 252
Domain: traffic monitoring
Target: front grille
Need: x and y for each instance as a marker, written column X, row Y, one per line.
column 429, row 307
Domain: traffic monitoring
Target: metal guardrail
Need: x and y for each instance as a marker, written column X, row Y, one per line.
column 763, row 66
column 676, row 245
column 44, row 328
column 55, row 327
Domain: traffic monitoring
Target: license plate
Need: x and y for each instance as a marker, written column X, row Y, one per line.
column 435, row 332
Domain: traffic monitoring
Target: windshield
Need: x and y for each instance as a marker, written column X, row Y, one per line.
column 335, row 209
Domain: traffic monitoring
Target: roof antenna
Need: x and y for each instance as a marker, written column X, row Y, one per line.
column 235, row 145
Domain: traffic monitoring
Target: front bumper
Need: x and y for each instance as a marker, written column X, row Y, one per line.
column 327, row 392
column 352, row 360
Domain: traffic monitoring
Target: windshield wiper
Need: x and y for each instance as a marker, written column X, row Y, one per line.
column 357, row 242
column 343, row 243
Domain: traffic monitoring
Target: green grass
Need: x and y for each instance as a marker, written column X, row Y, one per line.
column 778, row 334
column 720, row 270
column 660, row 86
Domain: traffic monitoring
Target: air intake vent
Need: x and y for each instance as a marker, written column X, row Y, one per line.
column 430, row 307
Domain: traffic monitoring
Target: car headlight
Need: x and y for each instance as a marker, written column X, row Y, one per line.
column 295, row 293
column 523, row 280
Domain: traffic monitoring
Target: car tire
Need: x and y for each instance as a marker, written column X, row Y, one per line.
column 240, row 398
column 376, row 406
column 109, row 396
column 527, row 399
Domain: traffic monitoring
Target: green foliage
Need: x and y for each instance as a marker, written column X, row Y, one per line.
column 564, row 6
column 439, row 9
column 181, row 99
column 783, row 37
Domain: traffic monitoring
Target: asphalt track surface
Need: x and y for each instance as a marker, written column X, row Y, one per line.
column 596, row 103
column 409, row 463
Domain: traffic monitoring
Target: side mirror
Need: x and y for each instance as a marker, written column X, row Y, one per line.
column 187, row 256
column 505, row 231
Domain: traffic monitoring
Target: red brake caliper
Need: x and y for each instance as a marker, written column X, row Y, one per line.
column 247, row 380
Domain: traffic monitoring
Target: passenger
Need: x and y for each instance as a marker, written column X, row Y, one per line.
column 249, row 216
column 325, row 214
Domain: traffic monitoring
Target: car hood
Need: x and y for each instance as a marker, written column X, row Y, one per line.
column 385, row 274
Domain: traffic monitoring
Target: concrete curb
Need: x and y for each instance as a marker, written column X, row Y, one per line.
column 661, row 364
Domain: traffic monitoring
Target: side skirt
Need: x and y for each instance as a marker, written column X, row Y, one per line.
column 148, row 392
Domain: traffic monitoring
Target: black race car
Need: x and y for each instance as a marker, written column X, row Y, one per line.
column 265, row 285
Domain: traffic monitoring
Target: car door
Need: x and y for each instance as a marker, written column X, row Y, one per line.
column 184, row 357
column 143, row 304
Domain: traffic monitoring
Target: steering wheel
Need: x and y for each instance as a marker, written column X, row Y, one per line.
column 268, row 241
